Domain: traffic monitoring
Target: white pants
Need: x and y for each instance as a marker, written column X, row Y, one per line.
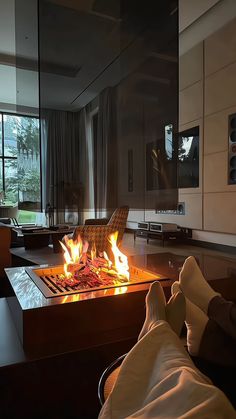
column 157, row 379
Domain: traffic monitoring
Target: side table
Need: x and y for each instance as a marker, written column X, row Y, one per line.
column 57, row 236
column 40, row 237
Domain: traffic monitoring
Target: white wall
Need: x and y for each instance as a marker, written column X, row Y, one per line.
column 191, row 10
column 7, row 26
column 198, row 19
column 207, row 97
column 18, row 87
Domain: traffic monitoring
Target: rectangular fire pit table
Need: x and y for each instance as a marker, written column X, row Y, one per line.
column 76, row 320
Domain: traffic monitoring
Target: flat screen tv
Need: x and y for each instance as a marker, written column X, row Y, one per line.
column 188, row 158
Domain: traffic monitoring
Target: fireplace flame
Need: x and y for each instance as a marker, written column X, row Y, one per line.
column 107, row 259
column 77, row 259
column 121, row 261
column 67, row 258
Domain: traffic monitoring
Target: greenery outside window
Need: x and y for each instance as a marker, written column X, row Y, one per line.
column 20, row 179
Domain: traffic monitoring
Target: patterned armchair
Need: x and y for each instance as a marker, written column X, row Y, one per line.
column 98, row 234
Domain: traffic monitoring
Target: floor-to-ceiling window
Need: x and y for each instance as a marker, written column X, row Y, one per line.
column 20, row 164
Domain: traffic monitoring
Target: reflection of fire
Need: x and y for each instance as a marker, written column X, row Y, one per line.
column 121, row 290
column 90, row 270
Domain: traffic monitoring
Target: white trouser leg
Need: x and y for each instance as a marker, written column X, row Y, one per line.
column 158, row 380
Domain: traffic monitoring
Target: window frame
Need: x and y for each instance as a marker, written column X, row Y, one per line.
column 4, row 158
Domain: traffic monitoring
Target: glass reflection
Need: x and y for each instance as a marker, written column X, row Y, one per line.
column 108, row 89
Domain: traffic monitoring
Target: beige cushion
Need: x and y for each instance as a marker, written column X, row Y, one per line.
column 110, row 381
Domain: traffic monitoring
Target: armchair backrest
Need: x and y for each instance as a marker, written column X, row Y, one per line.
column 118, row 220
column 98, row 234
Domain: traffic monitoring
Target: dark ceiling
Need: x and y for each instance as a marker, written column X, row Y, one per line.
column 86, row 46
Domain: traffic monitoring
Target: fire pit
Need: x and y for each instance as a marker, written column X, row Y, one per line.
column 49, row 282
column 84, row 271
column 92, row 300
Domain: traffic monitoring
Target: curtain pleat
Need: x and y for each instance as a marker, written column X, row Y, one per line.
column 65, row 162
column 69, row 184
column 106, row 196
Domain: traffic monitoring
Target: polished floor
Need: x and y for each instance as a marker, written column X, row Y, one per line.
column 218, row 267
column 140, row 247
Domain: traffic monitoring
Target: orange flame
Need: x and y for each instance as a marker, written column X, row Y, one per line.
column 75, row 253
column 107, row 258
column 121, row 261
column 93, row 252
column 67, row 258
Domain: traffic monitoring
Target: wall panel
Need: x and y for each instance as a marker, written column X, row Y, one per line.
column 219, row 212
column 220, row 48
column 220, row 89
column 191, row 103
column 216, row 173
column 216, row 131
column 191, row 67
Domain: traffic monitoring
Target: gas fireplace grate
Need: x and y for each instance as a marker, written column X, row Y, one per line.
column 46, row 281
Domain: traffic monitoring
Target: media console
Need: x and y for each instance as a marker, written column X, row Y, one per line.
column 162, row 231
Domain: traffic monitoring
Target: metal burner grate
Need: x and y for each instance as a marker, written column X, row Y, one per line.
column 46, row 281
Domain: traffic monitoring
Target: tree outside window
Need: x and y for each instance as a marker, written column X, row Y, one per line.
column 20, row 158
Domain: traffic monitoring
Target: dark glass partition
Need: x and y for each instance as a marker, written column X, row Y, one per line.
column 24, row 124
column 109, row 104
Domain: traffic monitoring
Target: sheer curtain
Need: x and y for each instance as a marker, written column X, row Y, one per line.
column 86, row 164
column 106, row 150
column 69, row 174
column 65, row 153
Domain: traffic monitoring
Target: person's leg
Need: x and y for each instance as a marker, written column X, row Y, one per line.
column 198, row 291
column 194, row 286
column 205, row 338
column 157, row 309
column 176, row 312
column 158, row 379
